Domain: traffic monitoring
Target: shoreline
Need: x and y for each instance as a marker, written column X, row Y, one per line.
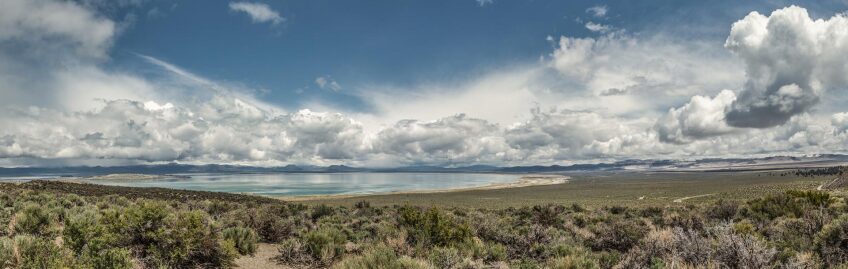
column 118, row 177
column 523, row 181
column 526, row 180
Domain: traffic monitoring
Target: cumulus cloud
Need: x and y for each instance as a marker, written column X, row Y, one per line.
column 701, row 117
column 562, row 135
column 219, row 130
column 49, row 52
column 790, row 61
column 258, row 12
column 326, row 82
column 598, row 11
column 54, row 27
column 600, row 98
column 653, row 71
column 840, row 122
column 455, row 139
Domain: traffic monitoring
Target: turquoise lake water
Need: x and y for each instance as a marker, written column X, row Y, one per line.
column 296, row 184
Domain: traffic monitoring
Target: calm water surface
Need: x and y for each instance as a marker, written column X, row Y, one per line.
column 321, row 184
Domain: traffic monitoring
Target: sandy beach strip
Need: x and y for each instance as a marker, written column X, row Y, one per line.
column 124, row 177
column 523, row 181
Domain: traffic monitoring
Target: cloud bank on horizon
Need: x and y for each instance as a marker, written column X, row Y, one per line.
column 615, row 95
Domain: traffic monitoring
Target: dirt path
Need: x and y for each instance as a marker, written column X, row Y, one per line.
column 820, row 187
column 262, row 258
column 680, row 200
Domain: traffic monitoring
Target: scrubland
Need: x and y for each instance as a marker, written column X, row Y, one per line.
column 69, row 225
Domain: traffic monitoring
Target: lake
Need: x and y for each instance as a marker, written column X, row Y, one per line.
column 298, row 184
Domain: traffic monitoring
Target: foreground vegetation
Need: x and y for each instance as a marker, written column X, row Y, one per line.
column 67, row 225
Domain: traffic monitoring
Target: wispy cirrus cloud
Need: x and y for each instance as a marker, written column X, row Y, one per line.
column 258, row 12
column 327, row 82
column 597, row 27
column 598, row 11
column 484, row 2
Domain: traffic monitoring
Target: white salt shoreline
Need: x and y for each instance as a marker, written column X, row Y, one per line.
column 523, row 181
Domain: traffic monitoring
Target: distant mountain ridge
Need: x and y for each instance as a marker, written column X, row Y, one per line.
column 709, row 164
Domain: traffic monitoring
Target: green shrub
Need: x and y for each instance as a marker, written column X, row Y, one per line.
column 735, row 250
column 325, row 245
column 496, row 252
column 744, row 227
column 792, row 203
column 573, row 262
column 92, row 243
column 275, row 230
column 608, row 259
column 831, row 243
column 815, row 198
column 318, row 248
column 362, row 205
column 547, row 215
column 142, row 223
column 35, row 220
column 722, row 210
column 445, row 257
column 188, row 240
column 473, row 248
column 618, row 234
column 273, row 223
column 38, row 253
column 652, row 212
column 244, row 239
column 617, row 209
column 321, row 211
column 5, row 219
column 433, row 227
column 180, row 239
column 112, row 258
column 217, row 208
column 7, row 252
column 83, row 230
column 577, row 208
column 293, row 252
column 380, row 257
column 568, row 256
column 533, row 242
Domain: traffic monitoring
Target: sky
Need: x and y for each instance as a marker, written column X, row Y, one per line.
column 397, row 83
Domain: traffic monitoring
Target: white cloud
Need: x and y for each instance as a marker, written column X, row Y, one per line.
column 326, row 82
column 648, row 73
column 790, row 61
column 258, row 12
column 514, row 92
column 597, row 27
column 218, row 130
column 484, row 2
column 55, row 27
column 48, row 56
column 455, row 139
column 701, row 117
column 598, row 11
column 840, row 122
column 599, row 98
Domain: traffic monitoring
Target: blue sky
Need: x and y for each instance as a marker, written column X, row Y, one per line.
column 357, row 44
column 389, row 83
column 398, row 43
